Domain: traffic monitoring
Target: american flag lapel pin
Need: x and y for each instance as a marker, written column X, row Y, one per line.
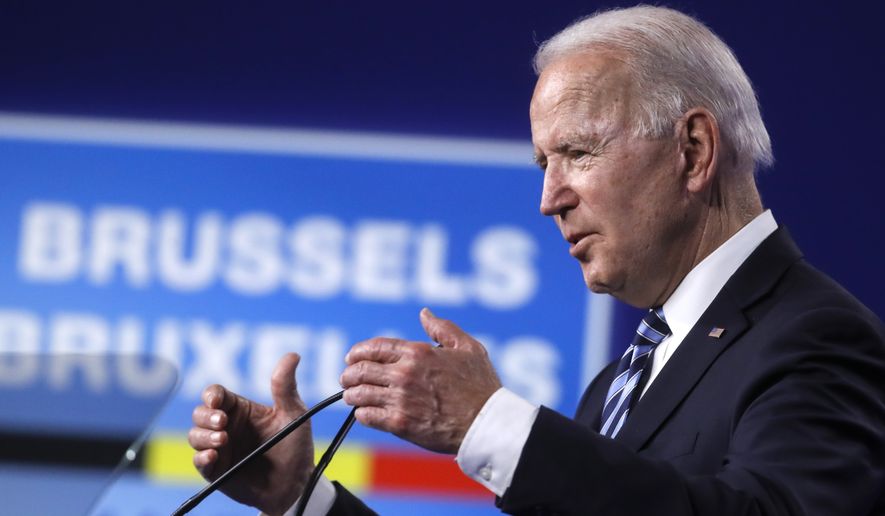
column 716, row 332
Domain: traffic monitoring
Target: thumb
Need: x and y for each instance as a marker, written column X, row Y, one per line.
column 444, row 332
column 283, row 387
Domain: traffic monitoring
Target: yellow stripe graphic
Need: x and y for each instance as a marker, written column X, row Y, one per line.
column 169, row 459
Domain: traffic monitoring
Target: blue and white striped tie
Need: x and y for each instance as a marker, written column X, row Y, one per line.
column 623, row 392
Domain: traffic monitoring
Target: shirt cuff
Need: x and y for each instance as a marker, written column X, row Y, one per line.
column 493, row 444
column 320, row 502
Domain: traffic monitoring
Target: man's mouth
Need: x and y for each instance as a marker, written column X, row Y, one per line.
column 575, row 239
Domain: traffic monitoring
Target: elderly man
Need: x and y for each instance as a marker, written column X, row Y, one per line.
column 754, row 384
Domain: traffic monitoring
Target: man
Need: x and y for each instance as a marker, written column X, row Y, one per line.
column 757, row 384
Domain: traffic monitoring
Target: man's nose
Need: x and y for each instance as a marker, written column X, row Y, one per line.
column 557, row 197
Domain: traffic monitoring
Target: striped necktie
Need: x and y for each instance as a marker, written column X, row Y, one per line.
column 623, row 392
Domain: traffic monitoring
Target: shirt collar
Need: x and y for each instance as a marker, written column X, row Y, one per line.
column 703, row 283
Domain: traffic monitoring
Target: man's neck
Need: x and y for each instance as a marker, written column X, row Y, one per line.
column 718, row 228
column 721, row 219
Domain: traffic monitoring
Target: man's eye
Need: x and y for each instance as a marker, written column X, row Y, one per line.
column 578, row 155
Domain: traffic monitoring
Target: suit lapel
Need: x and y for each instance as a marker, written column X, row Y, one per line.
column 589, row 410
column 683, row 371
column 756, row 276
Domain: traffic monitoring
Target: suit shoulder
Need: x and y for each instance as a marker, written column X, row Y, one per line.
column 806, row 292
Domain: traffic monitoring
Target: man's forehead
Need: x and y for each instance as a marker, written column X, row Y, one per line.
column 583, row 75
column 591, row 90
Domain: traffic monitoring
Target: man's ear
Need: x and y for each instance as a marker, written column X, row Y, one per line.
column 699, row 143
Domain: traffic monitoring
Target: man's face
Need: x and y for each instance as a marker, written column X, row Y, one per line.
column 619, row 200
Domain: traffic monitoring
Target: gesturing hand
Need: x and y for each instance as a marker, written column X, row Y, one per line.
column 227, row 427
column 424, row 394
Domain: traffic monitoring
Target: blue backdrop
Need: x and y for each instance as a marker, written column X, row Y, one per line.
column 453, row 69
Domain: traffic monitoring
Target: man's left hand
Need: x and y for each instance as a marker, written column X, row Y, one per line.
column 424, row 394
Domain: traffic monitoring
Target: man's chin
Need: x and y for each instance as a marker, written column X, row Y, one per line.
column 596, row 286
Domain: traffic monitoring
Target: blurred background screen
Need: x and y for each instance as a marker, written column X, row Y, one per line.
column 217, row 183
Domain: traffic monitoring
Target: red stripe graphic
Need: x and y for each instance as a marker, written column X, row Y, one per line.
column 420, row 473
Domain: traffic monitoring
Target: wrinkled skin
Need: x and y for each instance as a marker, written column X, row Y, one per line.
column 638, row 212
column 424, row 394
column 227, row 427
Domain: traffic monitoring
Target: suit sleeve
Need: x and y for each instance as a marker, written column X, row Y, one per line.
column 808, row 438
column 346, row 504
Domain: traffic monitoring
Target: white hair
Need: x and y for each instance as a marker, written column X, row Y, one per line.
column 677, row 63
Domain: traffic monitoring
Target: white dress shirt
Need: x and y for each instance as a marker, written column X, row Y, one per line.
column 493, row 444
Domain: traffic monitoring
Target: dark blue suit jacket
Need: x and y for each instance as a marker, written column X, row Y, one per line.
column 782, row 415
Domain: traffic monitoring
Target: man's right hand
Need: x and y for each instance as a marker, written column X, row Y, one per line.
column 227, row 427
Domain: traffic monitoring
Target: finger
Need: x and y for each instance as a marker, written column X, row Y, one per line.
column 366, row 396
column 205, row 461
column 283, row 387
column 365, row 372
column 379, row 349
column 444, row 332
column 212, row 419
column 205, row 439
column 373, row 417
column 217, row 397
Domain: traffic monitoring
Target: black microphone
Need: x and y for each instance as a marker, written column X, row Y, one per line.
column 195, row 500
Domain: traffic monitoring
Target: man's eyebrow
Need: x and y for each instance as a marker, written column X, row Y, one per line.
column 563, row 147
column 566, row 146
column 584, row 142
